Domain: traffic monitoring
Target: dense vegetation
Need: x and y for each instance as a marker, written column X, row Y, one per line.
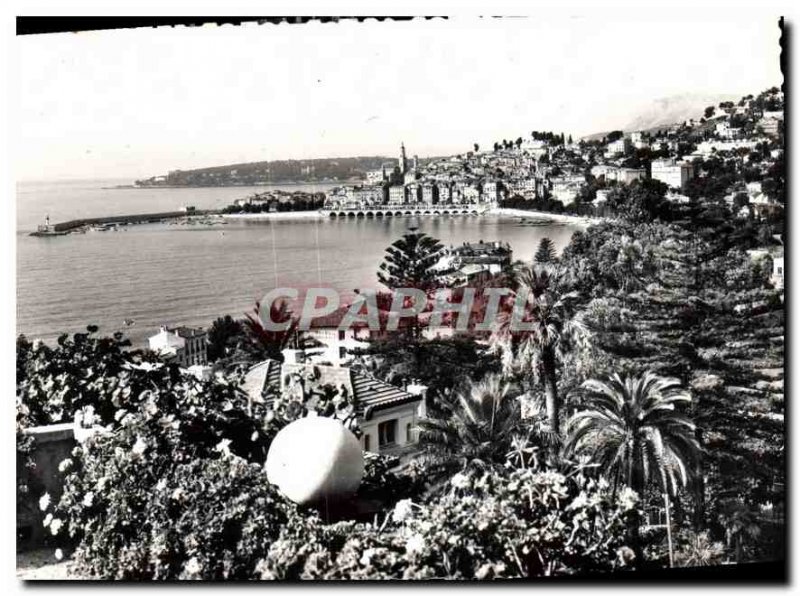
column 638, row 423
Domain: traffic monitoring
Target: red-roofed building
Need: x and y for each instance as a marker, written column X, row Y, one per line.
column 387, row 415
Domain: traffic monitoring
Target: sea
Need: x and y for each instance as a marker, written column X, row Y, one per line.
column 144, row 276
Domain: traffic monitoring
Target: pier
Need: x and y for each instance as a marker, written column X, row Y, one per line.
column 59, row 229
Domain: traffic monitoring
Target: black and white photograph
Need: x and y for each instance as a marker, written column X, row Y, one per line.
column 332, row 299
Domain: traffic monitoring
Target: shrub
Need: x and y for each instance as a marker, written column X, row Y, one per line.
column 172, row 488
column 518, row 523
column 83, row 370
column 206, row 519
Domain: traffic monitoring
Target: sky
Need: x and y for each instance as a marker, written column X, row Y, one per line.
column 138, row 103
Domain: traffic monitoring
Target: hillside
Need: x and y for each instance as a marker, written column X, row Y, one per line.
column 271, row 172
column 666, row 111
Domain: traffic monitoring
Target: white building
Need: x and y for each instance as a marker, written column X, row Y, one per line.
column 387, row 415
column 625, row 175
column 374, row 177
column 445, row 195
column 491, row 192
column 777, row 272
column 673, row 174
column 565, row 192
column 397, row 195
column 725, row 131
column 619, row 147
column 429, row 193
column 638, row 140
column 185, row 345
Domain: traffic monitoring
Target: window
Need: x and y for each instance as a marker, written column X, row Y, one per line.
column 342, row 352
column 341, row 334
column 387, row 433
column 409, row 436
column 366, row 442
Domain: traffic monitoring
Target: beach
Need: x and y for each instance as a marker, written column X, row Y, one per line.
column 559, row 217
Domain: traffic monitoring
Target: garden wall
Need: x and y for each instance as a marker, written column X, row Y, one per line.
column 51, row 445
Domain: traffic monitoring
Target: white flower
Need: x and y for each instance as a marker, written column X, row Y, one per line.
column 44, row 502
column 366, row 558
column 139, row 446
column 460, row 481
column 178, row 494
column 224, row 447
column 88, row 499
column 254, row 436
column 65, row 465
column 47, row 519
column 59, row 554
column 193, row 567
column 579, row 501
column 625, row 556
column 144, row 366
column 55, row 526
column 415, row 544
column 87, row 416
column 402, row 511
column 161, row 484
column 627, row 498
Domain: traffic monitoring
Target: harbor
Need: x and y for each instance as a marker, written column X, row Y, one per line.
column 115, row 221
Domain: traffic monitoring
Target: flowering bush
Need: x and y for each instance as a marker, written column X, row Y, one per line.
column 172, row 488
column 205, row 519
column 83, row 370
column 518, row 523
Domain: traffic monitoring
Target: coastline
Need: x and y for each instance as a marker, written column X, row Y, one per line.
column 560, row 217
column 275, row 215
column 585, row 222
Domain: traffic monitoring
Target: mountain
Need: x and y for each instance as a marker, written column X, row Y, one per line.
column 668, row 110
column 677, row 108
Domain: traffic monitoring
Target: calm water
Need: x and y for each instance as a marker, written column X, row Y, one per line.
column 190, row 274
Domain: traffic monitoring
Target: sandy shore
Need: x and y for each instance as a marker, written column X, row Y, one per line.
column 276, row 215
column 570, row 219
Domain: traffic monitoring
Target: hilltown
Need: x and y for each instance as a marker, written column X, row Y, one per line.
column 583, row 177
column 671, row 307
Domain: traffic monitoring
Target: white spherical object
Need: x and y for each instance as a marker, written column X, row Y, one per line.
column 315, row 458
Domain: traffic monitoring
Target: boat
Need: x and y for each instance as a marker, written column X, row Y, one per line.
column 128, row 322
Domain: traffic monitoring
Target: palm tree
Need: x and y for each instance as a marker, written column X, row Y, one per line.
column 473, row 431
column 551, row 306
column 633, row 427
column 260, row 343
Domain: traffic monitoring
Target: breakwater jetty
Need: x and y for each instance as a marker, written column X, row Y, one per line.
column 60, row 229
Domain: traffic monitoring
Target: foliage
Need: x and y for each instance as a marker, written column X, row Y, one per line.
column 78, row 372
column 633, row 427
column 546, row 253
column 409, row 262
column 519, row 523
column 473, row 430
column 697, row 308
column 169, row 483
column 440, row 364
column 260, row 343
column 207, row 519
column 697, row 550
column 549, row 305
column 223, row 337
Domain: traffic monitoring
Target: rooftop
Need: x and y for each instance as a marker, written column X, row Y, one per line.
column 370, row 394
